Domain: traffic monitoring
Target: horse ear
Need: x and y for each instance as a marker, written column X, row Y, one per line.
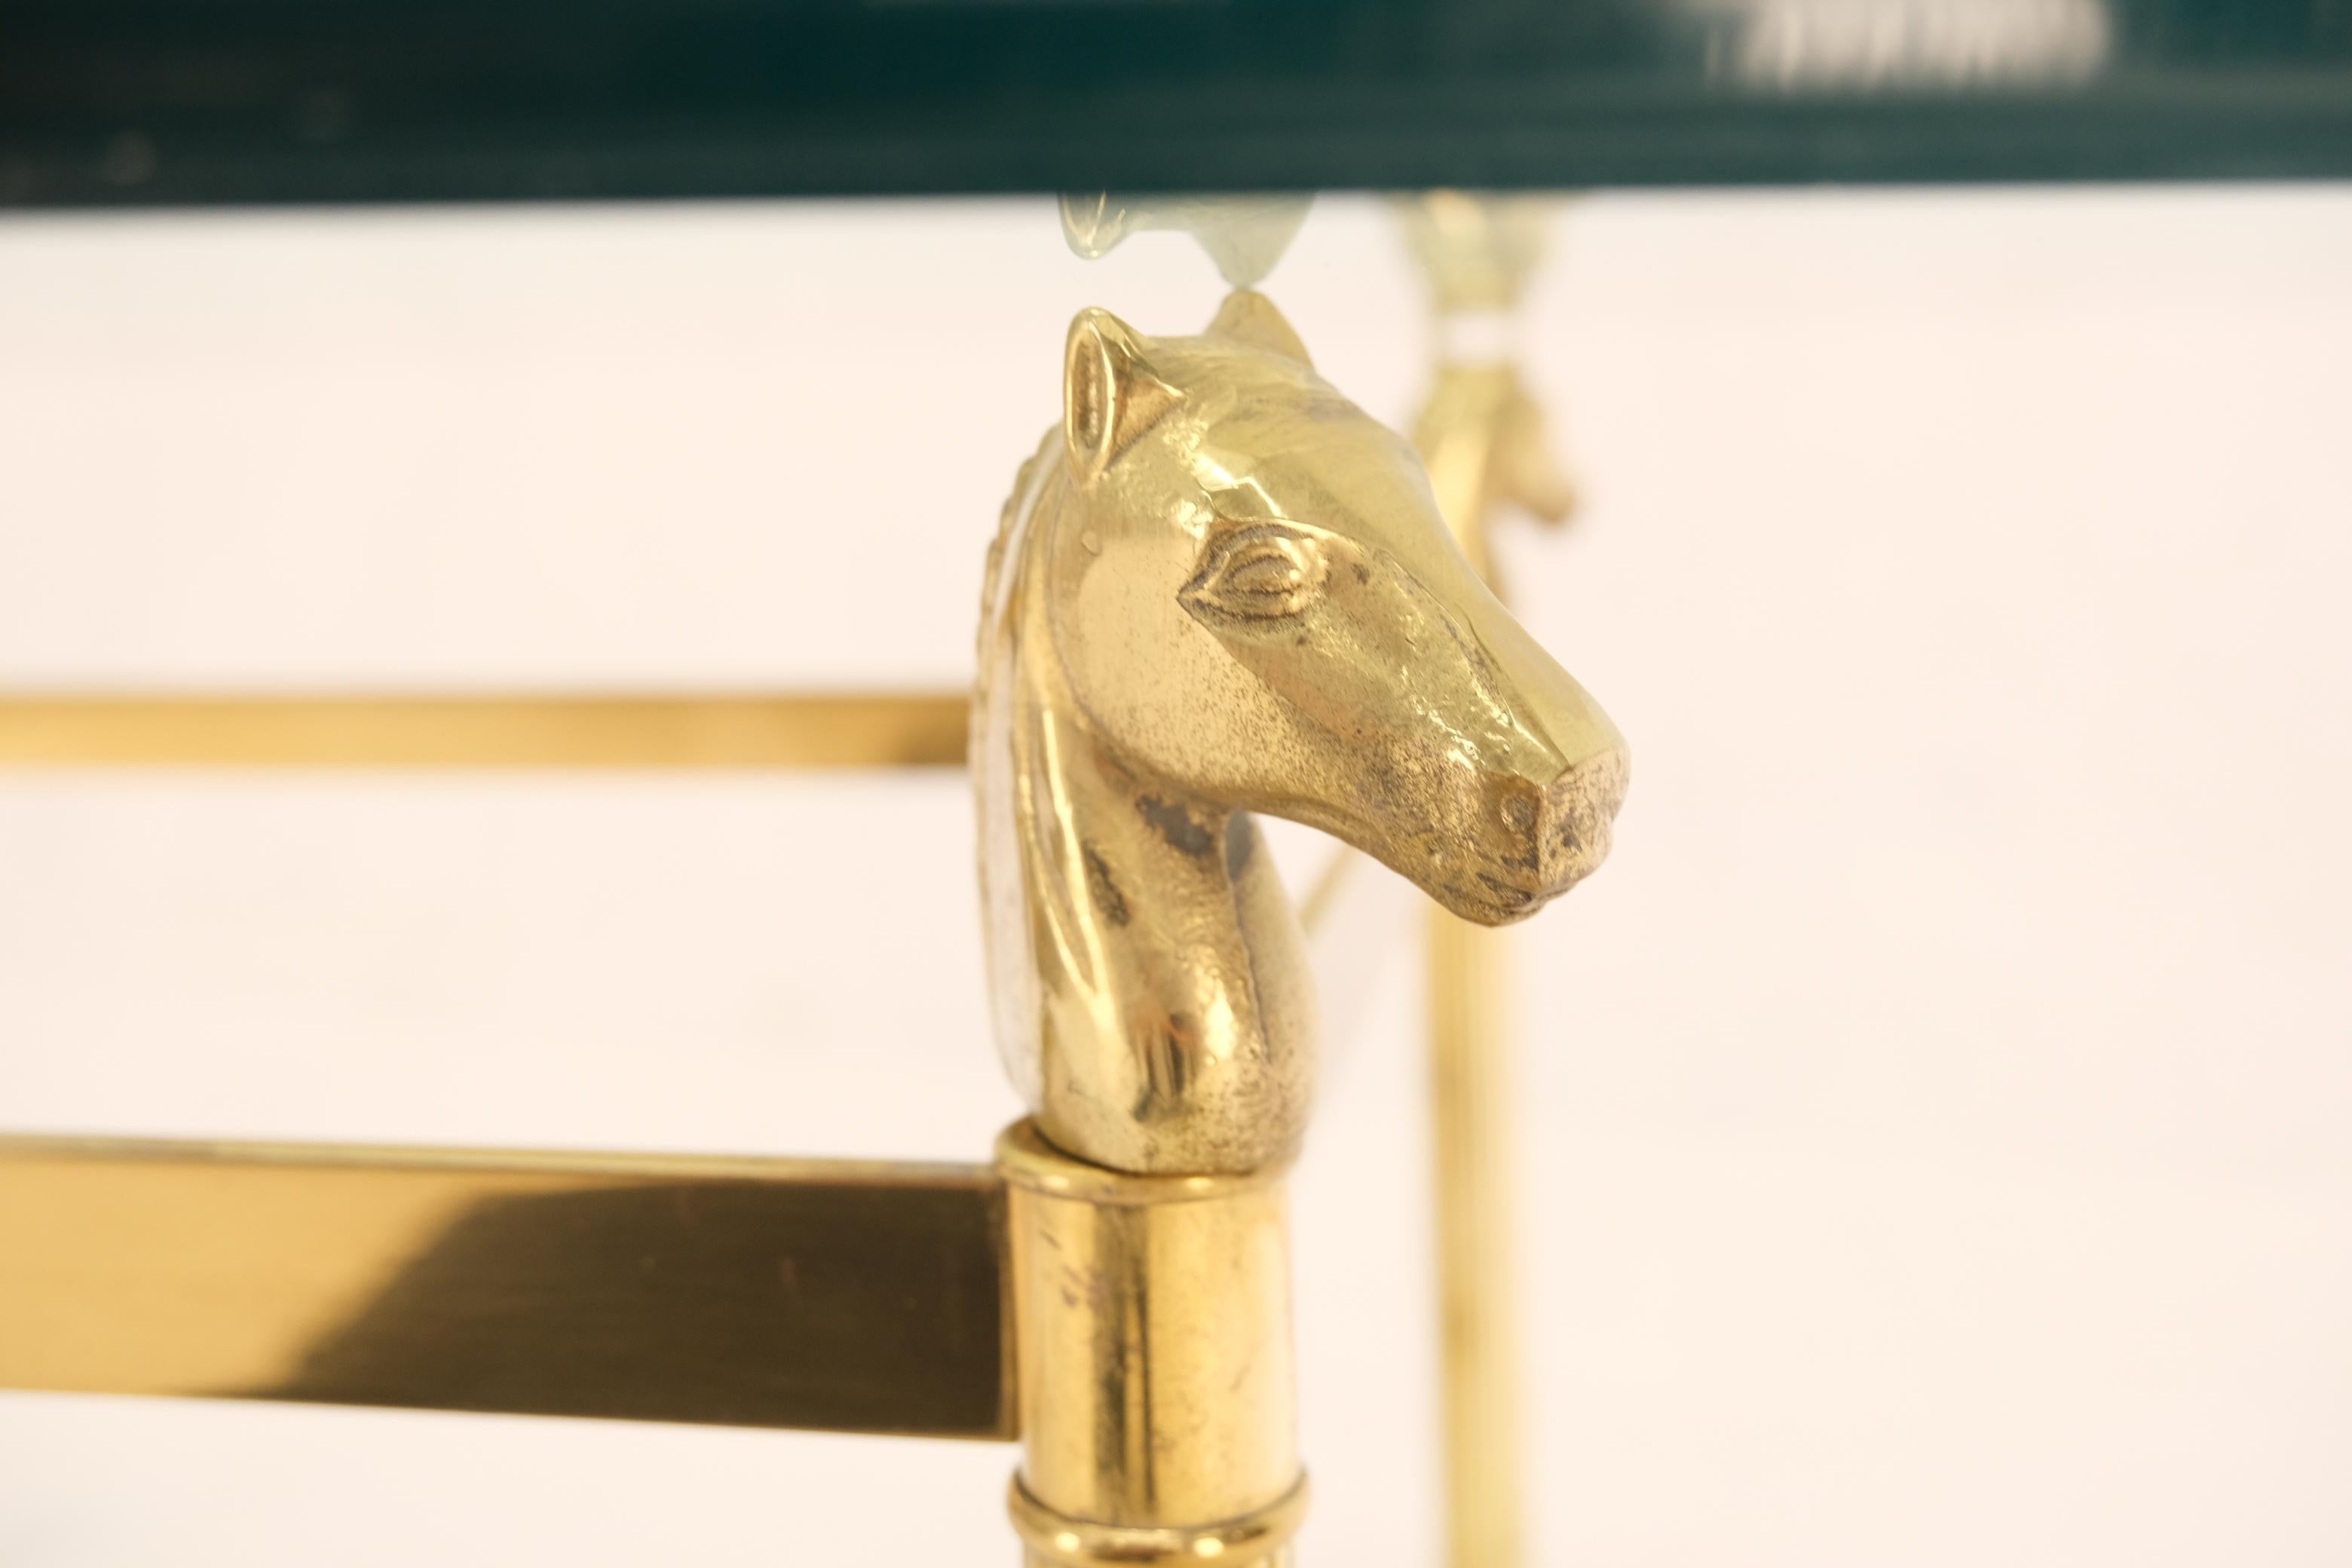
column 1109, row 394
column 1249, row 316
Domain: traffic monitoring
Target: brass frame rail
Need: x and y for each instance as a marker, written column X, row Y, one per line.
column 669, row 730
column 785, row 1293
column 842, row 1296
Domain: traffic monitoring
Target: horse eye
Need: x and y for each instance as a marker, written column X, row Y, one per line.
column 1258, row 574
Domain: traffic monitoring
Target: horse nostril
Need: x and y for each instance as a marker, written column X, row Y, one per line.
column 1578, row 808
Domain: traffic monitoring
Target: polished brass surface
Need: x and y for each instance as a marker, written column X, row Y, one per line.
column 1158, row 1407
column 1220, row 588
column 844, row 1296
column 715, row 732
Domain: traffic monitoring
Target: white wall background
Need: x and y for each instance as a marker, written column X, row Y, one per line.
column 1934, row 1115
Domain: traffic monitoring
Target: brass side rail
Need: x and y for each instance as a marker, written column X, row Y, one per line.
column 841, row 1296
column 670, row 731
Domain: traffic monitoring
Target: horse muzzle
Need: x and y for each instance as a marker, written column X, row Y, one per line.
column 1541, row 839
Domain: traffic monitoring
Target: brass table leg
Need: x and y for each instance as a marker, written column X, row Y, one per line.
column 1470, row 1090
column 1482, row 435
column 1151, row 1322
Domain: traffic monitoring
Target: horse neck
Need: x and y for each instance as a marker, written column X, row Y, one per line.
column 1156, row 965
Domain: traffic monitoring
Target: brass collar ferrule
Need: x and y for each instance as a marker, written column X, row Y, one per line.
column 1056, row 1540
column 1151, row 1319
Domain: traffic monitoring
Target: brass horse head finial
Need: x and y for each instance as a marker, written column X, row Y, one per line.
column 1221, row 588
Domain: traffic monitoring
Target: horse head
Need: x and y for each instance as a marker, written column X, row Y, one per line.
column 1225, row 589
column 1261, row 604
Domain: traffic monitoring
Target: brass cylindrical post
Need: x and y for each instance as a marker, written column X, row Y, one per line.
column 1471, row 1138
column 1153, row 1330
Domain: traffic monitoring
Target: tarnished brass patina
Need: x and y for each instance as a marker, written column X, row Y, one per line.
column 1221, row 588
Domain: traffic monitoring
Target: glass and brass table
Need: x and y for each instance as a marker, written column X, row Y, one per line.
column 1125, row 1314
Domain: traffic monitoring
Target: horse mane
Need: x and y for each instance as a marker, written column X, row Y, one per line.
column 1005, row 550
column 996, row 760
